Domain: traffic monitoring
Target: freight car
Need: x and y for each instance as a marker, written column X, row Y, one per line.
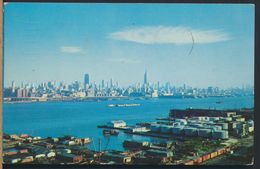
column 190, row 162
column 198, row 160
column 221, row 151
column 213, row 154
column 208, row 156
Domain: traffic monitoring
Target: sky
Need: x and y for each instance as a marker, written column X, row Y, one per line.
column 194, row 44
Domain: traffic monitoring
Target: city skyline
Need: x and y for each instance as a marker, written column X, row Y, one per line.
column 109, row 83
column 88, row 89
column 118, row 44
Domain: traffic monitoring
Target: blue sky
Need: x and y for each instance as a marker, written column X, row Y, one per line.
column 44, row 42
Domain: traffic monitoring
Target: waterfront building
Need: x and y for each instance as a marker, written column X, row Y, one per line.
column 91, row 92
column 19, row 93
column 67, row 157
column 9, row 93
column 13, row 86
column 155, row 93
column 117, row 123
column 26, row 92
column 80, row 94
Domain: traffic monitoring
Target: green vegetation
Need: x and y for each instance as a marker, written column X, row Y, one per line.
column 199, row 145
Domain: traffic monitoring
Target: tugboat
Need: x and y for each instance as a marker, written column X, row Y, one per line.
column 110, row 132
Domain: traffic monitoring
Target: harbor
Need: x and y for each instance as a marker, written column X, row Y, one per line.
column 124, row 105
column 189, row 140
column 128, row 84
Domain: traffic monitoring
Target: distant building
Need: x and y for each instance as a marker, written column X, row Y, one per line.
column 90, row 92
column 8, row 92
column 181, row 113
column 103, row 84
column 13, row 86
column 19, row 93
column 22, row 92
column 145, row 77
column 210, row 90
column 26, row 92
column 155, row 93
column 111, row 83
column 80, row 94
column 86, row 80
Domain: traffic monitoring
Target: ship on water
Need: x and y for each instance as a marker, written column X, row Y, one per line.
column 110, row 132
column 124, row 105
column 219, row 102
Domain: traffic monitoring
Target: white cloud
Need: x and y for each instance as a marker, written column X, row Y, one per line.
column 169, row 35
column 70, row 49
column 125, row 60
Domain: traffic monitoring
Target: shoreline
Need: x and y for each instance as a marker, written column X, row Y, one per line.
column 100, row 99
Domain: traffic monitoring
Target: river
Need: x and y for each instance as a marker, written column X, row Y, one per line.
column 80, row 119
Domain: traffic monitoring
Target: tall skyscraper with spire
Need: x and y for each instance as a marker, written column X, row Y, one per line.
column 145, row 77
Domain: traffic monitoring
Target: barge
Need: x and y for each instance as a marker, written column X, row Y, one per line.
column 110, row 132
column 123, row 105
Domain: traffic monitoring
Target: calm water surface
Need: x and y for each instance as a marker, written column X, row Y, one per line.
column 80, row 119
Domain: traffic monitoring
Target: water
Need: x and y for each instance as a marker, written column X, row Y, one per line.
column 80, row 119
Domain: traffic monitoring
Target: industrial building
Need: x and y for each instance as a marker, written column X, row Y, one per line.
column 190, row 112
column 215, row 127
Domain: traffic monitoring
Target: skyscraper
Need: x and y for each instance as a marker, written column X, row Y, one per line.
column 111, row 83
column 13, row 86
column 145, row 77
column 86, row 80
column 103, row 84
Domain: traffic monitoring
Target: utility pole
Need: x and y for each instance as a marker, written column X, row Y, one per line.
column 99, row 151
column 99, row 144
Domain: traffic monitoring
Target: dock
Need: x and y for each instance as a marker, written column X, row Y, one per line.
column 114, row 128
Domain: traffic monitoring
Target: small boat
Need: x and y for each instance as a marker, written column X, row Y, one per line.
column 111, row 105
column 219, row 102
column 110, row 132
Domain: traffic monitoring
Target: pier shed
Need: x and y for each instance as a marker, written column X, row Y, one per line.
column 117, row 123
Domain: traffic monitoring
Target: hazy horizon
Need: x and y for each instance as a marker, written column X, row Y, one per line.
column 175, row 43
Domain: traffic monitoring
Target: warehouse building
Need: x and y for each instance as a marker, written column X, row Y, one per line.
column 117, row 123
